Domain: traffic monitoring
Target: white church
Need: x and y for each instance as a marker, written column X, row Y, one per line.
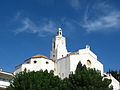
column 63, row 62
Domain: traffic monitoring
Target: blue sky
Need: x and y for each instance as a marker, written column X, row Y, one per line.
column 28, row 26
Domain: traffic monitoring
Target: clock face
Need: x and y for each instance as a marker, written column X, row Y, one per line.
column 89, row 63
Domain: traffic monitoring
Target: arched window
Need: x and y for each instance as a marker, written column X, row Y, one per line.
column 54, row 45
column 60, row 33
column 89, row 63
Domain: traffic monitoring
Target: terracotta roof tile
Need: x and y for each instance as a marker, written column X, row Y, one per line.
column 39, row 56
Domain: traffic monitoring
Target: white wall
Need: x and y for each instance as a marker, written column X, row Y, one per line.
column 69, row 63
column 41, row 64
column 75, row 59
column 58, row 48
column 4, row 84
column 63, row 67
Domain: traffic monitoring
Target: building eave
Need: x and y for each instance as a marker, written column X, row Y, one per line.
column 7, row 73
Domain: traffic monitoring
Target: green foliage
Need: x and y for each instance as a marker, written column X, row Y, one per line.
column 35, row 81
column 83, row 79
column 87, row 79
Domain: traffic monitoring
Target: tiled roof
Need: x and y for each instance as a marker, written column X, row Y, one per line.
column 39, row 56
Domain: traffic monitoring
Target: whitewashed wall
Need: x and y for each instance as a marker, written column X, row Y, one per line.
column 41, row 64
column 69, row 63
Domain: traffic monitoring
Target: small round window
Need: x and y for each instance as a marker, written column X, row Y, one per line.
column 88, row 62
column 47, row 62
column 35, row 61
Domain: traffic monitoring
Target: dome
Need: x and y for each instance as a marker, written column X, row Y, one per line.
column 39, row 56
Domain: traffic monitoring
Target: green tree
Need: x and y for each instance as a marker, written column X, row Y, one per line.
column 87, row 79
column 83, row 79
column 40, row 80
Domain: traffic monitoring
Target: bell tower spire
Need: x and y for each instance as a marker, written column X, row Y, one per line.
column 59, row 32
column 58, row 46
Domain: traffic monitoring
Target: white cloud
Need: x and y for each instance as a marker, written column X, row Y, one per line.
column 42, row 29
column 107, row 20
column 27, row 26
column 98, row 17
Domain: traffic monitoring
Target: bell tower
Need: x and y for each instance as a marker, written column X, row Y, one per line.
column 59, row 32
column 58, row 46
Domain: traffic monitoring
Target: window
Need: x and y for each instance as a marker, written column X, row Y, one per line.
column 35, row 61
column 47, row 62
column 60, row 33
column 53, row 55
column 54, row 45
column 88, row 62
